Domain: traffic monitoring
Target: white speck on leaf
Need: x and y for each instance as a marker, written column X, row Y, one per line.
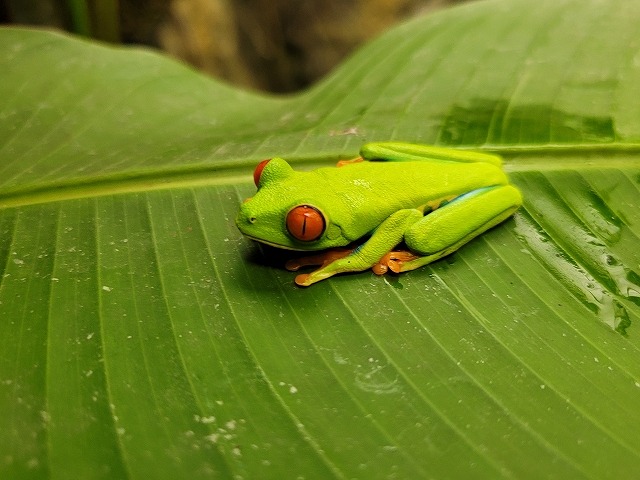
column 46, row 418
column 206, row 420
column 339, row 359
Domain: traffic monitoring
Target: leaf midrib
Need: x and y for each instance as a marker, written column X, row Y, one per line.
column 89, row 187
column 518, row 158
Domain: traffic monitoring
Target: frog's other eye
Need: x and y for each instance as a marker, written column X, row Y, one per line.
column 305, row 223
column 258, row 171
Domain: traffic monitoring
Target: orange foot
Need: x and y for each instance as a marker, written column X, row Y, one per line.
column 342, row 163
column 393, row 261
column 323, row 259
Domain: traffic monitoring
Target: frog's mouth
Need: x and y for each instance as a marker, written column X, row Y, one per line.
column 274, row 244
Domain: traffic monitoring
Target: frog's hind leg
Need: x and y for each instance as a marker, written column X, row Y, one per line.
column 448, row 228
column 405, row 152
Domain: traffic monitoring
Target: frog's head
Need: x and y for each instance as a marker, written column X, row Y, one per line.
column 285, row 211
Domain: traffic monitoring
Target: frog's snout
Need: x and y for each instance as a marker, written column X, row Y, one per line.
column 245, row 217
column 249, row 219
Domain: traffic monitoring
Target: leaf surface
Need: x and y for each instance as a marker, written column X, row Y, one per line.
column 143, row 337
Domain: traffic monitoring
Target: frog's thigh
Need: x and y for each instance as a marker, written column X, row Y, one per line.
column 449, row 227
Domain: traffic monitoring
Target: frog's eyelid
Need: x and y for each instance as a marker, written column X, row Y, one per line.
column 257, row 173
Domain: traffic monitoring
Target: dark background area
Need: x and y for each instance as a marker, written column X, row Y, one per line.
column 270, row 45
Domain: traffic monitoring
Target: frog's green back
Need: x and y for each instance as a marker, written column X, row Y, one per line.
column 365, row 193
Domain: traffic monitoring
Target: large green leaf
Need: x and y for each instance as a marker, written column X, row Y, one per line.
column 142, row 337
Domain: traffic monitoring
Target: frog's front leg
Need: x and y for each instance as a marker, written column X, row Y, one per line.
column 446, row 229
column 388, row 234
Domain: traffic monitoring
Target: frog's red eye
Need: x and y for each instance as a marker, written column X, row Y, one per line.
column 258, row 171
column 305, row 223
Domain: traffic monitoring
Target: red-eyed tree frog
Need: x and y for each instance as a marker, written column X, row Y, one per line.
column 432, row 200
